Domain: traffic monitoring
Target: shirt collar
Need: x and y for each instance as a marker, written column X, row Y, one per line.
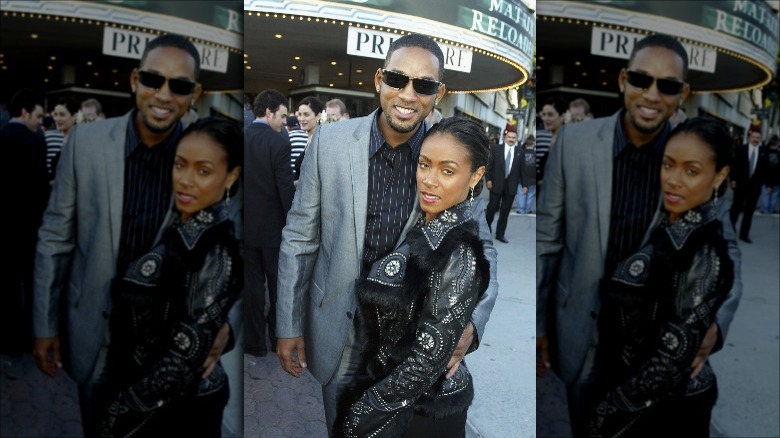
column 621, row 138
column 133, row 140
column 377, row 139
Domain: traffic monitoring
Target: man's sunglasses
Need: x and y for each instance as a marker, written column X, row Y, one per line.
column 182, row 87
column 670, row 87
column 396, row 80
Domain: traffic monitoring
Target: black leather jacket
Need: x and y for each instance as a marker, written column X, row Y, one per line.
column 168, row 309
column 655, row 313
column 412, row 309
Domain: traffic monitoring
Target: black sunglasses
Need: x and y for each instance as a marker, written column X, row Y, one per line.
column 182, row 87
column 670, row 87
column 396, row 80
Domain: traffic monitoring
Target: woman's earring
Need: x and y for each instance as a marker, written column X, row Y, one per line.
column 716, row 195
column 227, row 197
column 471, row 195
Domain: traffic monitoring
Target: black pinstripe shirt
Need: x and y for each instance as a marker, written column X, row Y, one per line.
column 147, row 192
column 392, row 191
column 636, row 179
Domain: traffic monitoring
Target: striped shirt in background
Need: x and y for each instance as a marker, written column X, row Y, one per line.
column 147, row 192
column 392, row 191
column 298, row 140
column 54, row 140
column 636, row 186
column 543, row 141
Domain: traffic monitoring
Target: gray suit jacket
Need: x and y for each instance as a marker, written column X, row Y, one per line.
column 78, row 243
column 572, row 229
column 322, row 245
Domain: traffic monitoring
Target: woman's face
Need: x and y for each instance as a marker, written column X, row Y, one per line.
column 63, row 118
column 200, row 174
column 307, row 119
column 551, row 118
column 444, row 174
column 688, row 175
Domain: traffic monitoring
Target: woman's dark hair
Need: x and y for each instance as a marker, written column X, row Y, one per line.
column 560, row 105
column 472, row 136
column 312, row 102
column 226, row 133
column 714, row 134
column 70, row 103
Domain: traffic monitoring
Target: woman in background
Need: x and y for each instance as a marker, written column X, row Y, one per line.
column 309, row 113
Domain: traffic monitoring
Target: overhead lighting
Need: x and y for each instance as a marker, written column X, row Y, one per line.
column 89, row 62
column 330, row 85
column 341, row 74
column 584, row 73
column 297, row 58
column 289, row 80
column 249, row 67
column 246, row 56
column 360, row 83
column 278, row 35
column 97, row 74
column 295, row 67
column 359, row 71
column 53, row 58
column 50, row 67
column 541, row 58
column 577, row 63
column 333, row 63
column 34, row 36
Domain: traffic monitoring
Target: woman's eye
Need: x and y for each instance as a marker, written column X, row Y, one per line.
column 423, row 165
column 693, row 172
column 447, row 172
column 203, row 172
column 177, row 165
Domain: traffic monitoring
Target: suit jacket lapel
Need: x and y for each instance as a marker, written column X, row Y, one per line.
column 358, row 155
column 602, row 157
column 114, row 156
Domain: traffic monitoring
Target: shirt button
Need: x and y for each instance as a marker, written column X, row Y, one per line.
column 349, row 315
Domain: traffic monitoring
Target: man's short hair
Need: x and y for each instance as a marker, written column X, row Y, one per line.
column 337, row 102
column 421, row 41
column 24, row 99
column 173, row 40
column 665, row 41
column 268, row 99
column 582, row 103
column 93, row 102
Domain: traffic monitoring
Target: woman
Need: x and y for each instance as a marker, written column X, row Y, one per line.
column 171, row 303
column 309, row 113
column 65, row 112
column 661, row 301
column 414, row 304
column 553, row 112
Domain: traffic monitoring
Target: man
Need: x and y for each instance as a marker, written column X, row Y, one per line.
column 91, row 110
column 357, row 199
column 747, row 176
column 24, row 150
column 502, row 178
column 579, row 110
column 770, row 195
column 526, row 198
column 112, row 193
column 269, row 193
column 336, row 110
column 582, row 231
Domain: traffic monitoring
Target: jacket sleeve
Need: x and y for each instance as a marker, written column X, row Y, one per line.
column 299, row 248
column 211, row 294
column 550, row 229
column 56, row 243
column 481, row 314
column 697, row 296
column 729, row 308
column 387, row 406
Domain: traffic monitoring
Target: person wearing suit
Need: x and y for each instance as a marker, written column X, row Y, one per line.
column 268, row 198
column 746, row 180
column 25, row 150
column 111, row 195
column 586, row 222
column 355, row 200
column 502, row 179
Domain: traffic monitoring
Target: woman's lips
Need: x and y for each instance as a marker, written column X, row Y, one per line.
column 672, row 198
column 429, row 198
column 184, row 198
